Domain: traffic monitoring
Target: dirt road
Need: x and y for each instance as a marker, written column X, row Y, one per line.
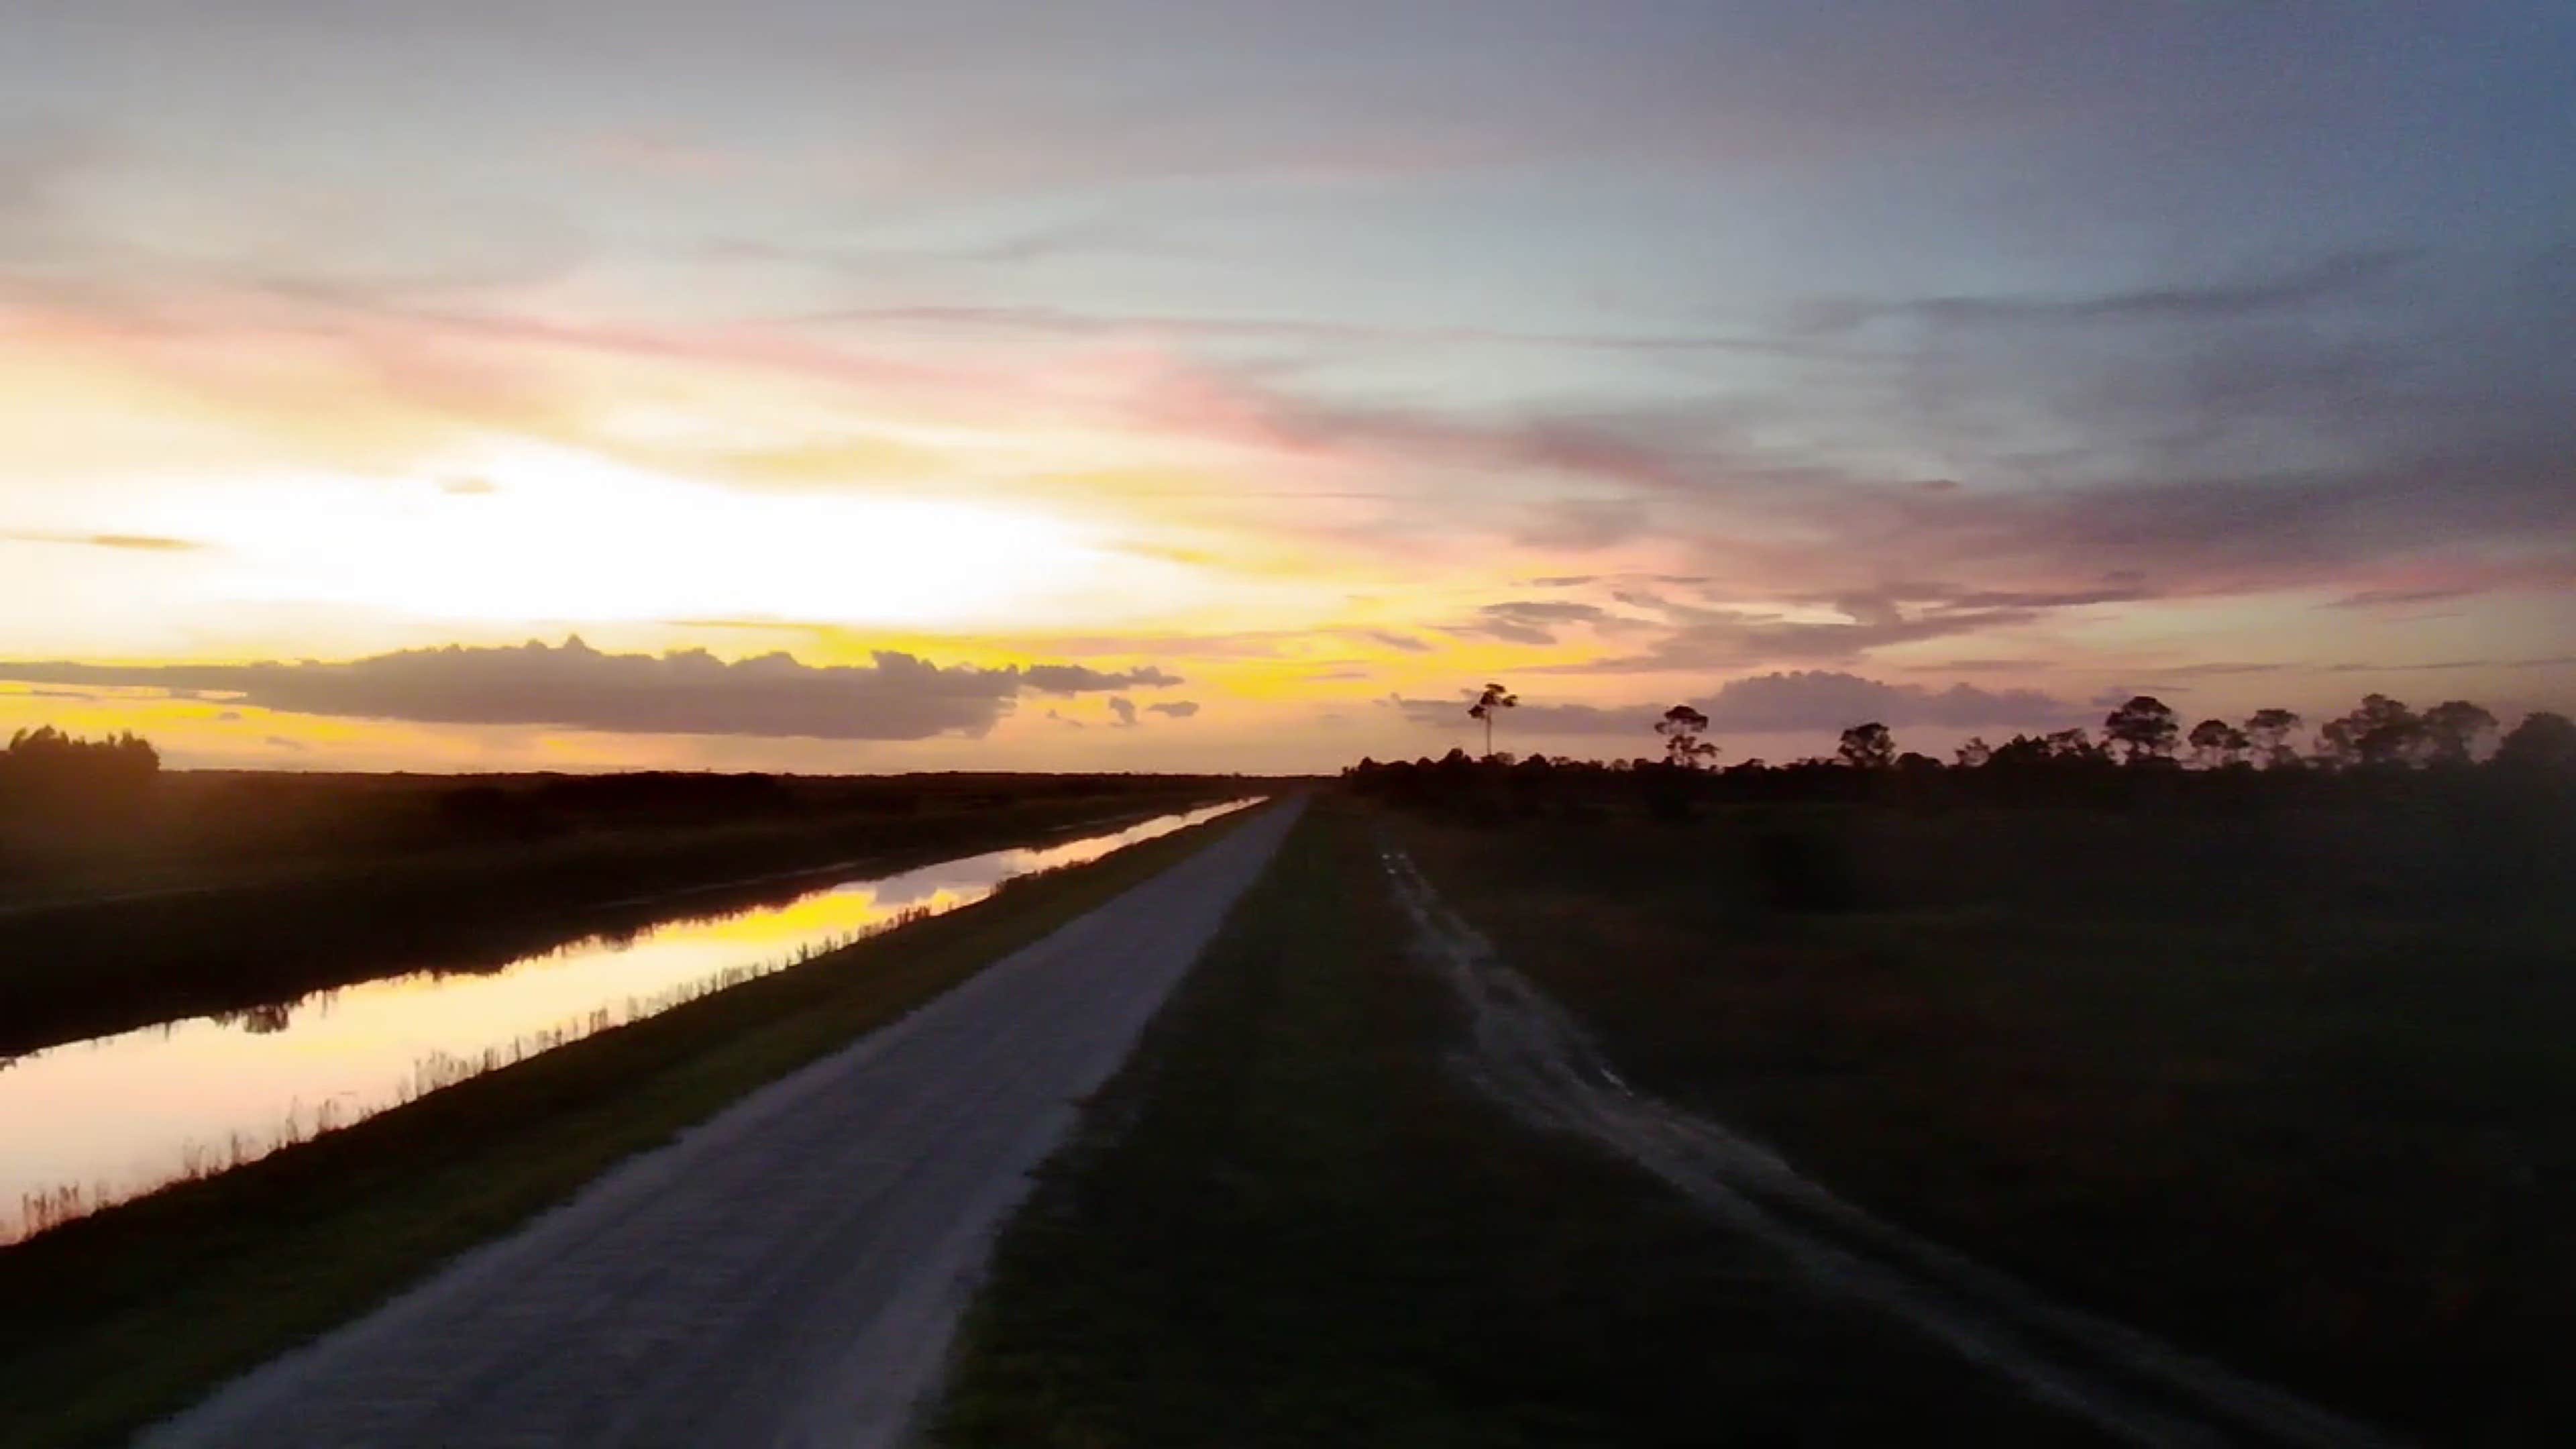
column 1534, row 1058
column 788, row 1273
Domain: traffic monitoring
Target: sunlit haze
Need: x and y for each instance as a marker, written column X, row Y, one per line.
column 853, row 387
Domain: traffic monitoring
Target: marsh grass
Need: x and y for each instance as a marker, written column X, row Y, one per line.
column 2278, row 1089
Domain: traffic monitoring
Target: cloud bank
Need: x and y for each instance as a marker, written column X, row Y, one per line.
column 1824, row 699
column 573, row 686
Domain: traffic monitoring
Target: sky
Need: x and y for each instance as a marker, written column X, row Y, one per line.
column 1220, row 386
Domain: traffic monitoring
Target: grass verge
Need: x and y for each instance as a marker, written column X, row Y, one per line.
column 2335, row 1149
column 119, row 1318
column 1287, row 1222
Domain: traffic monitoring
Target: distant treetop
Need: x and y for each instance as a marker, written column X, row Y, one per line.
column 46, row 765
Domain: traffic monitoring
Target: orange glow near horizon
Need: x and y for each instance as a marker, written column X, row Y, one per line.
column 1323, row 421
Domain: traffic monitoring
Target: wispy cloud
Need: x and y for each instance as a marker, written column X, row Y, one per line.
column 2324, row 280
column 128, row 542
column 2553, row 661
column 1062, row 322
column 1405, row 642
column 1792, row 702
column 1529, row 621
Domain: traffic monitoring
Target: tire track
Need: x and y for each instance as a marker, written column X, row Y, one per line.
column 1529, row 1054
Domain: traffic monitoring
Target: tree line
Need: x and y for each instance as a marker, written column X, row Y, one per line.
column 46, row 766
column 2140, row 740
column 2380, row 732
column 2145, row 732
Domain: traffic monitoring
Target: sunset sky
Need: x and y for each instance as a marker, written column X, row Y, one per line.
column 839, row 386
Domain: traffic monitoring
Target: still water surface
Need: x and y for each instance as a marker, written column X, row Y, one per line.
column 103, row 1120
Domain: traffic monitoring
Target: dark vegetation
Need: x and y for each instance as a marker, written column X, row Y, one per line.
column 118, row 1318
column 86, row 819
column 129, row 896
column 1288, row 1223
column 2270, row 1060
column 2136, row 760
column 48, row 771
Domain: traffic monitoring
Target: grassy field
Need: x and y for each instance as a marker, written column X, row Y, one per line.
column 387, row 903
column 1287, row 1223
column 117, row 1318
column 2291, row 1090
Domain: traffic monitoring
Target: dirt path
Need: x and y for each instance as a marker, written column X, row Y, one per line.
column 788, row 1273
column 1529, row 1054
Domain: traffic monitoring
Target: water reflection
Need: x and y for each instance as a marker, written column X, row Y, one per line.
column 102, row 1120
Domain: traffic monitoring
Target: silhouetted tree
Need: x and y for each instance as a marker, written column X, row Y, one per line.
column 46, row 766
column 2270, row 731
column 2075, row 747
column 2382, row 731
column 2019, row 753
column 1868, row 747
column 2215, row 742
column 1682, row 728
column 2144, row 726
column 1493, row 701
column 2452, row 730
column 2543, row 742
column 2070, row 766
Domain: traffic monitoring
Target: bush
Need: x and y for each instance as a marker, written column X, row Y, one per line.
column 46, row 767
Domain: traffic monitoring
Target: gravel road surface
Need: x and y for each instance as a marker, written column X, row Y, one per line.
column 789, row 1272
